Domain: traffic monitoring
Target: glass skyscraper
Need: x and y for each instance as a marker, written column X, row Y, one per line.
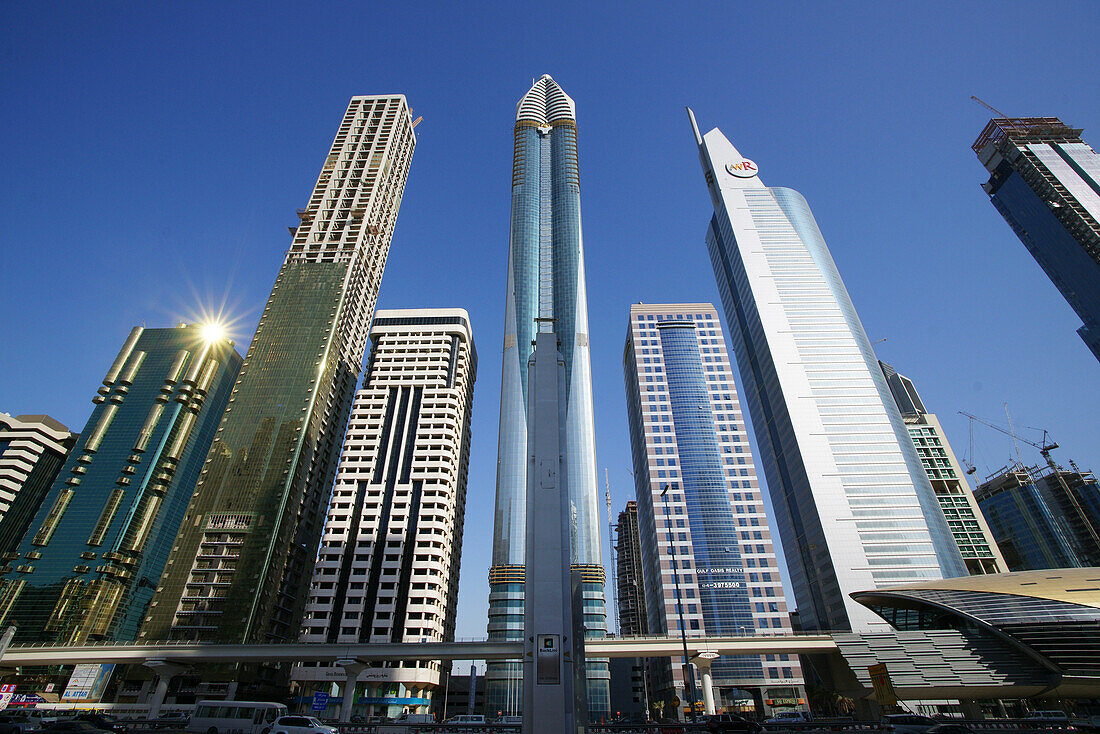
column 1045, row 182
column 240, row 568
column 854, row 507
column 706, row 551
column 93, row 554
column 546, row 292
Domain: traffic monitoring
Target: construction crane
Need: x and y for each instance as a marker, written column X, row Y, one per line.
column 1045, row 446
column 990, row 107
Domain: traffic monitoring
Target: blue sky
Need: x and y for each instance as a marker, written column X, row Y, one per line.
column 154, row 156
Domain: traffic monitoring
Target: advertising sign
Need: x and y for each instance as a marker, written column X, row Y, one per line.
column 6, row 692
column 87, row 682
column 884, row 687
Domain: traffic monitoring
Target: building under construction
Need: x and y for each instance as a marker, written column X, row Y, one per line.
column 1043, row 516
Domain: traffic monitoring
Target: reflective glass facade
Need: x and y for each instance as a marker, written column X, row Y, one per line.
column 546, row 292
column 1039, row 519
column 241, row 566
column 1045, row 182
column 854, row 507
column 706, row 550
column 90, row 561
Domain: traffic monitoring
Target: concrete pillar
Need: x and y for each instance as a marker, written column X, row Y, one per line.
column 352, row 669
column 165, row 672
column 231, row 691
column 702, row 662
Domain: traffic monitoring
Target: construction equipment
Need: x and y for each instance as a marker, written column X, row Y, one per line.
column 988, row 106
column 1045, row 446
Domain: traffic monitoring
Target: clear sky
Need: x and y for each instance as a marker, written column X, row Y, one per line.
column 154, row 155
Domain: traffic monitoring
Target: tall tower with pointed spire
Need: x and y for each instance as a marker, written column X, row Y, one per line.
column 546, row 292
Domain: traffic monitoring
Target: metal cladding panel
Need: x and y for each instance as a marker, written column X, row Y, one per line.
column 787, row 305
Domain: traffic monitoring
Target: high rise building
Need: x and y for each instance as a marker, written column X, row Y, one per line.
column 1043, row 516
column 1045, row 182
column 628, row 572
column 32, row 450
column 546, row 292
column 707, row 553
column 854, row 507
column 90, row 560
column 968, row 525
column 389, row 557
column 266, row 482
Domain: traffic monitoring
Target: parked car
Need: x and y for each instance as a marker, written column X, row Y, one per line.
column 732, row 722
column 102, row 721
column 15, row 724
column 906, row 724
column 168, row 718
column 301, row 725
column 466, row 722
column 950, row 729
column 72, row 726
column 789, row 717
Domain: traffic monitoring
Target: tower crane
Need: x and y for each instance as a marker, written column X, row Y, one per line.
column 988, row 106
column 611, row 545
column 1045, row 446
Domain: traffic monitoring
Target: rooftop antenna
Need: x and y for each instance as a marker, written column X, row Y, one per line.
column 988, row 106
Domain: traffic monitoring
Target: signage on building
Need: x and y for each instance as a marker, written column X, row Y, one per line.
column 320, row 701
column 6, row 692
column 87, row 682
column 884, row 687
column 548, row 660
column 742, row 169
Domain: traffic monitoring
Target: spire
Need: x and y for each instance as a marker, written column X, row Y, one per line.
column 545, row 102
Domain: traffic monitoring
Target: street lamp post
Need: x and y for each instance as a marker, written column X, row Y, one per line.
column 689, row 676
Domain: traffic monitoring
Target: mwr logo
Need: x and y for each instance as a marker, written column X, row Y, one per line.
column 742, row 169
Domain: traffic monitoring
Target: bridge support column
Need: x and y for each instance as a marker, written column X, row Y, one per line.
column 165, row 672
column 702, row 662
column 352, row 669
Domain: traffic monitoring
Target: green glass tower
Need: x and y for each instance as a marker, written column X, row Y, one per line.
column 240, row 567
column 91, row 557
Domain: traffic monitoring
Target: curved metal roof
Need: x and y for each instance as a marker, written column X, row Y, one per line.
column 1069, row 585
column 1053, row 615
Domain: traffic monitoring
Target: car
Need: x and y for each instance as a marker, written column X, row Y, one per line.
column 301, row 725
column 789, row 717
column 15, row 724
column 72, row 727
column 174, row 717
column 906, row 724
column 466, row 722
column 732, row 722
column 102, row 721
column 950, row 729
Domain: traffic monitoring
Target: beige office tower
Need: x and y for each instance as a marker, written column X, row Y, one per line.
column 968, row 526
column 239, row 569
column 389, row 558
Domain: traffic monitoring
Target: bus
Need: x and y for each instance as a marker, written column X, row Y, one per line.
column 234, row 717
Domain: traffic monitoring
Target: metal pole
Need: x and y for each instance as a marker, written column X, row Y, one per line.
column 689, row 677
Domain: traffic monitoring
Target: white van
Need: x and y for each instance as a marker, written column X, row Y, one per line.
column 234, row 717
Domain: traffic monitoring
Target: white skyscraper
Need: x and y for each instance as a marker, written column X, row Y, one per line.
column 854, row 507
column 388, row 565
